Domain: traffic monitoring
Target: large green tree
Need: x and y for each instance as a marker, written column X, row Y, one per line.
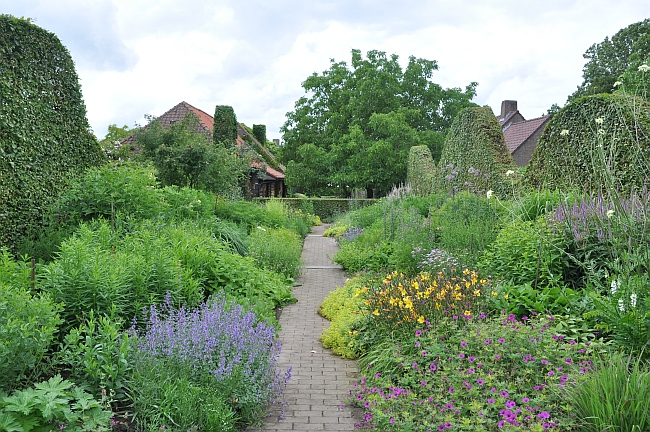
column 608, row 60
column 45, row 138
column 355, row 125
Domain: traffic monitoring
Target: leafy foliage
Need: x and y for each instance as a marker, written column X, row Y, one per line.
column 594, row 142
column 475, row 156
column 608, row 60
column 277, row 250
column 55, row 404
column 97, row 354
column 225, row 126
column 356, row 116
column 45, row 139
column 28, row 324
column 184, row 157
column 421, row 170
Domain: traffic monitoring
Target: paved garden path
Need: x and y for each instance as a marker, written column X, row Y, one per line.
column 320, row 381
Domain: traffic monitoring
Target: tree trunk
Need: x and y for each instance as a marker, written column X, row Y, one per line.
column 369, row 193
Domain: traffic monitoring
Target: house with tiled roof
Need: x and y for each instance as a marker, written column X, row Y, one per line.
column 267, row 174
column 521, row 135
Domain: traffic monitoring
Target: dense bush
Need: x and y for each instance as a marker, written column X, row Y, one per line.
column 277, row 250
column 420, row 171
column 204, row 368
column 28, row 326
column 55, row 404
column 475, row 156
column 105, row 191
column 594, row 142
column 527, row 252
column 45, row 138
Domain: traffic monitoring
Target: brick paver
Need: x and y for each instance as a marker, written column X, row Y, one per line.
column 320, row 381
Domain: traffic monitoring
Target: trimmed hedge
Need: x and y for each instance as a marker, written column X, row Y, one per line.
column 225, row 125
column 324, row 208
column 475, row 156
column 45, row 138
column 586, row 136
column 421, row 170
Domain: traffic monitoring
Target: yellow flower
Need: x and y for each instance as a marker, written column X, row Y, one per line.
column 468, row 313
column 505, row 296
column 494, row 293
column 477, row 293
column 356, row 332
column 375, row 312
column 408, row 304
column 421, row 319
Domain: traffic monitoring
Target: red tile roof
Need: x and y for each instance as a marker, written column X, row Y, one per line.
column 517, row 133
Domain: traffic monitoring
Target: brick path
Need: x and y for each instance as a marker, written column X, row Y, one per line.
column 320, row 381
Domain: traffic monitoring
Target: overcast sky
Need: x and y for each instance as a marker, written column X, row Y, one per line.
column 137, row 57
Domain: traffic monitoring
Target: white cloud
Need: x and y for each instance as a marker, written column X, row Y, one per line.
column 145, row 56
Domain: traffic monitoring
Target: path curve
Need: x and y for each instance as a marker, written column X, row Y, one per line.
column 321, row 381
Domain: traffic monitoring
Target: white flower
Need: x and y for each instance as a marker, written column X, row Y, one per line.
column 609, row 213
column 599, row 120
column 633, row 300
column 614, row 287
column 564, row 132
column 489, row 194
column 260, row 228
column 601, row 131
column 621, row 305
column 644, row 68
column 617, row 83
column 509, row 173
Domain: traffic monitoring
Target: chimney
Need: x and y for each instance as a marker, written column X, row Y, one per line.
column 508, row 106
column 277, row 142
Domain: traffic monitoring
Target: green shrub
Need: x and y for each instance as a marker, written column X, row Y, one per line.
column 343, row 308
column 534, row 204
column 97, row 354
column 367, row 251
column 277, row 250
column 335, row 231
column 475, row 156
column 55, row 404
column 45, row 138
column 186, row 203
column 102, row 192
column 466, row 222
column 594, row 142
column 97, row 270
column 420, row 171
column 527, row 252
column 28, row 325
column 249, row 214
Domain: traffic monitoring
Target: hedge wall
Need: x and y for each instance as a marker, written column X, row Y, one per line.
column 475, row 156
column 588, row 135
column 45, row 138
column 420, row 170
column 324, row 208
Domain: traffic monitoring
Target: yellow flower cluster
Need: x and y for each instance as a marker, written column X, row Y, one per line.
column 398, row 299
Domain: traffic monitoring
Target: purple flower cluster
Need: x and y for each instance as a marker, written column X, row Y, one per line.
column 352, row 233
column 221, row 339
column 591, row 214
